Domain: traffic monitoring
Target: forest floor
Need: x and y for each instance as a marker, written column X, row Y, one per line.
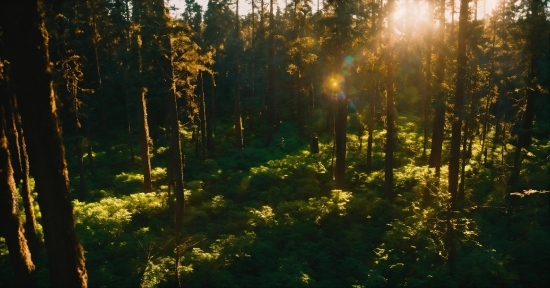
column 269, row 217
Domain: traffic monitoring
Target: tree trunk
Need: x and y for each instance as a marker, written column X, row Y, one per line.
column 95, row 43
column 10, row 226
column 271, row 101
column 370, row 127
column 427, row 99
column 82, row 177
column 341, row 124
column 390, row 126
column 19, row 149
column 300, row 106
column 456, row 128
column 461, row 186
column 439, row 102
column 253, row 85
column 202, row 115
column 177, row 161
column 36, row 102
column 237, row 110
column 210, row 117
column 524, row 136
column 89, row 146
column 144, row 142
column 30, row 218
column 458, row 109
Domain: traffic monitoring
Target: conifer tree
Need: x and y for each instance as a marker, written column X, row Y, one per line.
column 10, row 225
column 390, row 117
column 36, row 104
column 458, row 109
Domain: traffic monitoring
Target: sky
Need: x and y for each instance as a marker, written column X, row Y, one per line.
column 244, row 5
column 484, row 6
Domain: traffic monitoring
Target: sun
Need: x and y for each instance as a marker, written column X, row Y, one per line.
column 411, row 15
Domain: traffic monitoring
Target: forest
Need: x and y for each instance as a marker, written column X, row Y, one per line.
column 297, row 143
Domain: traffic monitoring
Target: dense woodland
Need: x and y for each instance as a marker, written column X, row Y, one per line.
column 364, row 143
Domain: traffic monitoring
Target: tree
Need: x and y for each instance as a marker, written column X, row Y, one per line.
column 10, row 225
column 237, row 108
column 19, row 157
column 458, row 109
column 427, row 99
column 272, row 106
column 535, row 20
column 390, row 117
column 41, row 125
column 438, row 128
column 141, row 12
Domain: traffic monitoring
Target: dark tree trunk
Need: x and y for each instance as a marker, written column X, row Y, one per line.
column 461, row 186
column 427, row 99
column 300, row 105
column 341, row 124
column 292, row 88
column 370, row 125
column 237, row 110
column 177, row 164
column 458, row 109
column 177, row 161
column 390, row 125
column 10, row 226
column 19, row 149
column 12, row 134
column 253, row 85
column 456, row 130
column 30, row 218
column 314, row 145
column 89, row 146
column 144, row 142
column 439, row 102
column 210, row 117
column 202, row 115
column 271, row 101
column 82, row 177
column 373, row 95
column 330, row 114
column 130, row 141
column 36, row 104
column 95, row 44
column 524, row 136
column 127, row 43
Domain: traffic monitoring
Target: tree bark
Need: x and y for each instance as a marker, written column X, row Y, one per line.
column 524, row 136
column 237, row 109
column 253, row 59
column 458, row 109
column 439, row 102
column 271, row 101
column 30, row 61
column 341, row 124
column 30, row 218
column 144, row 142
column 19, row 149
column 427, row 99
column 10, row 226
column 202, row 115
column 210, row 117
column 300, row 105
column 390, row 125
column 370, row 126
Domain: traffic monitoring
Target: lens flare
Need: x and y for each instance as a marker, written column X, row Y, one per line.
column 341, row 95
column 348, row 60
